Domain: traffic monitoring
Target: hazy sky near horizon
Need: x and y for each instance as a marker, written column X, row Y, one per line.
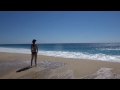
column 17, row 27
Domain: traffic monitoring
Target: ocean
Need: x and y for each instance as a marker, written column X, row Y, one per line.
column 91, row 51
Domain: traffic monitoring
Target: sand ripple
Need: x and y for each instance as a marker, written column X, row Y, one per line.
column 103, row 73
column 47, row 66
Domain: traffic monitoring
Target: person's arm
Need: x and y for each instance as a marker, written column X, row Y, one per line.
column 37, row 48
column 31, row 48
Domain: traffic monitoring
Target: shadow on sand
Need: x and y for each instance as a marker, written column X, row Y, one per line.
column 23, row 69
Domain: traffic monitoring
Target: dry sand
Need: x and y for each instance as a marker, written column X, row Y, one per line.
column 17, row 66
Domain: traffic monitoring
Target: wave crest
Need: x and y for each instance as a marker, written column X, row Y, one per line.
column 65, row 54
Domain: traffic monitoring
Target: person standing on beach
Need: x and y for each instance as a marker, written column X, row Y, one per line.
column 34, row 51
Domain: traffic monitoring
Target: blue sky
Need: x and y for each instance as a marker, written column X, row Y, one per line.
column 18, row 27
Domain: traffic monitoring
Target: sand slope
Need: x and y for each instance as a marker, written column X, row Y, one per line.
column 17, row 66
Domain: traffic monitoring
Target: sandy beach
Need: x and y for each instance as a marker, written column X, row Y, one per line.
column 17, row 66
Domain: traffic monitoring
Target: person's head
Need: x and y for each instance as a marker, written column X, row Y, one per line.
column 34, row 41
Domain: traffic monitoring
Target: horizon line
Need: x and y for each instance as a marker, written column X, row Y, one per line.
column 60, row 43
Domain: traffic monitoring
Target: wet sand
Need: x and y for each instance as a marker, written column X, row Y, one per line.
column 17, row 66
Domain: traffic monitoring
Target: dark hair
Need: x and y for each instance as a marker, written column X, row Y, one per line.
column 34, row 41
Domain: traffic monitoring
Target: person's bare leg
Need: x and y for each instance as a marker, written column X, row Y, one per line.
column 36, row 59
column 31, row 59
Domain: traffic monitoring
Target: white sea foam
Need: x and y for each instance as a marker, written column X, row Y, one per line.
column 15, row 50
column 109, row 49
column 77, row 55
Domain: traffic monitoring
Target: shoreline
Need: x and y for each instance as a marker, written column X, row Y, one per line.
column 67, row 54
column 53, row 67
